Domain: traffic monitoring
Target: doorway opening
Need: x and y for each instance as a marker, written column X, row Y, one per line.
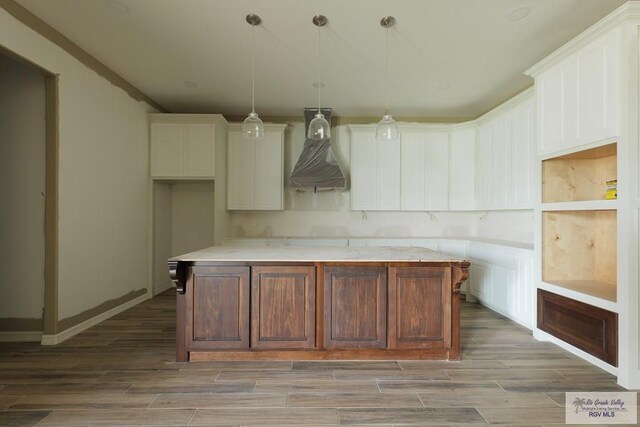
column 29, row 199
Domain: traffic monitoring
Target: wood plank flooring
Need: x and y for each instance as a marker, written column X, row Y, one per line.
column 122, row 372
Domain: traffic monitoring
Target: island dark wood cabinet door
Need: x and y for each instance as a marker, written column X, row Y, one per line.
column 355, row 307
column 217, row 308
column 419, row 307
column 283, row 307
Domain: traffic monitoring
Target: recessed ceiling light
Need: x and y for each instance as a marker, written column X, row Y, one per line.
column 117, row 6
column 190, row 84
column 318, row 85
column 519, row 13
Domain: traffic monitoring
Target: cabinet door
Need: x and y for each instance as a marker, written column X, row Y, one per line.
column 364, row 171
column 199, row 150
column 166, row 149
column 355, row 300
column 283, row 307
column 419, row 307
column 480, row 281
column 424, row 171
column 462, row 189
column 503, row 295
column 522, row 158
column 501, row 162
column 486, row 134
column 268, row 179
column 241, row 172
column 388, row 172
column 597, row 87
column 218, row 308
column 557, row 107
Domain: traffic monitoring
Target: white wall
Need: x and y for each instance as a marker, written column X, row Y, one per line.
column 22, row 187
column 328, row 213
column 162, row 233
column 102, row 177
column 192, row 216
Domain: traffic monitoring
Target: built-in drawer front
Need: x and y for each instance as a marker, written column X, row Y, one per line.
column 217, row 308
column 591, row 329
column 283, row 307
column 355, row 307
column 419, row 307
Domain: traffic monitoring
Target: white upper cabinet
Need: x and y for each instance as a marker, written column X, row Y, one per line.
column 522, row 157
column 424, row 171
column 256, row 179
column 182, row 150
column 462, row 173
column 375, row 172
column 504, row 158
column 578, row 97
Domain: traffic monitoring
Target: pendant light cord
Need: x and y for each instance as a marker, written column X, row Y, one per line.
column 386, row 78
column 253, row 69
column 319, row 84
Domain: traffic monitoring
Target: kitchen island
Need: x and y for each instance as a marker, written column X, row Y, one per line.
column 331, row 303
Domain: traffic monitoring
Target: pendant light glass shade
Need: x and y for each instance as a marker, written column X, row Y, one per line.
column 252, row 127
column 319, row 128
column 387, row 128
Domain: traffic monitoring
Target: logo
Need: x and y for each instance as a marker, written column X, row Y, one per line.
column 601, row 408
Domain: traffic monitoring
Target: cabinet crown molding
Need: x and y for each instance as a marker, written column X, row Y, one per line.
column 185, row 118
column 628, row 12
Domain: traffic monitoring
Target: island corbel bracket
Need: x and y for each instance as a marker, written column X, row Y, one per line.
column 460, row 275
column 177, row 273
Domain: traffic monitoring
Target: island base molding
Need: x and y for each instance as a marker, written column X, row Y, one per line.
column 211, row 356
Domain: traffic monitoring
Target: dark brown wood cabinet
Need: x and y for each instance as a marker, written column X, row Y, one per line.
column 591, row 329
column 217, row 308
column 355, row 307
column 283, row 307
column 419, row 307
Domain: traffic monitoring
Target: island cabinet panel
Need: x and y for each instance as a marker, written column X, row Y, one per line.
column 419, row 307
column 283, row 307
column 218, row 308
column 355, row 307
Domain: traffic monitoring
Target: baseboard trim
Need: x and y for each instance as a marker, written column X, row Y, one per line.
column 163, row 288
column 544, row 336
column 75, row 330
column 21, row 336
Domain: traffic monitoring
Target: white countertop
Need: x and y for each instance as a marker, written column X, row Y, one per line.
column 317, row 254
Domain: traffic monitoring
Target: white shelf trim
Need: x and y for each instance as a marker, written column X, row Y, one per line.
column 588, row 205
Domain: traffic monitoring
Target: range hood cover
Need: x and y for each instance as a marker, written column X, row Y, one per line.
column 317, row 168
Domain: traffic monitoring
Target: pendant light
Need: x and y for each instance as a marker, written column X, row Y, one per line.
column 319, row 128
column 252, row 127
column 387, row 129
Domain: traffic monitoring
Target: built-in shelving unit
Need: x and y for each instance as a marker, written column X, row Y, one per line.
column 579, row 226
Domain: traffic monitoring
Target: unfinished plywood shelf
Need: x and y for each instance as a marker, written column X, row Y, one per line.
column 579, row 251
column 579, row 176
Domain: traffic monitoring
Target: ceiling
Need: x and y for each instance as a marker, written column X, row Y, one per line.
column 450, row 60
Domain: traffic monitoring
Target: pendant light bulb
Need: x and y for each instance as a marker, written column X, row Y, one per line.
column 319, row 128
column 387, row 128
column 252, row 127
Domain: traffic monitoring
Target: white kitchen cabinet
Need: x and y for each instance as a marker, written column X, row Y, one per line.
column 424, row 173
column 505, row 156
column 182, row 150
column 375, row 172
column 578, row 98
column 501, row 278
column 522, row 157
column 487, row 133
column 462, row 172
column 256, row 179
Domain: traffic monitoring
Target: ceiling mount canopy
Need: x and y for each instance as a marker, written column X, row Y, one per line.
column 252, row 127
column 387, row 128
column 319, row 128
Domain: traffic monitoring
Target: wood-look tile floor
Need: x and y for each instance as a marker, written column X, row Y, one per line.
column 122, row 372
